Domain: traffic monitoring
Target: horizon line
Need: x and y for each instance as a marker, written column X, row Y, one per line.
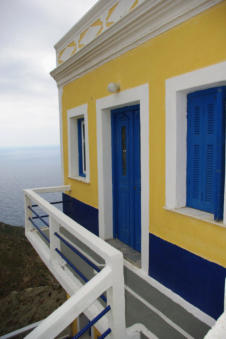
column 30, row 146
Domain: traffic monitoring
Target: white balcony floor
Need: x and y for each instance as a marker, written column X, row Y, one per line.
column 129, row 254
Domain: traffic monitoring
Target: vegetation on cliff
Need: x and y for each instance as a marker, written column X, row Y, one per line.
column 28, row 292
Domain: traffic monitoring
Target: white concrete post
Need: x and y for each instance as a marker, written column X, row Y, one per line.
column 28, row 214
column 225, row 296
column 116, row 298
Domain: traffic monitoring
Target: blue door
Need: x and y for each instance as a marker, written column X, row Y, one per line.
column 126, row 175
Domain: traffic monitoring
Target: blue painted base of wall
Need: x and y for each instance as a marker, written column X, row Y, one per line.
column 195, row 279
column 85, row 215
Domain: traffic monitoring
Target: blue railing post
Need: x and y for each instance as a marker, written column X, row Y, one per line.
column 105, row 334
column 39, row 230
column 54, row 241
column 82, row 256
column 37, row 216
column 92, row 322
column 73, row 249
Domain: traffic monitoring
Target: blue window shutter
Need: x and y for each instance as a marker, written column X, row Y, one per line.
column 205, row 151
column 220, row 158
column 194, row 161
column 80, row 154
column 210, row 149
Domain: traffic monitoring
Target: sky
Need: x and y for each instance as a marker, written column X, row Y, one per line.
column 29, row 29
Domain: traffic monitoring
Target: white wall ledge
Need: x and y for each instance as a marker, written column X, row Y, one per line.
column 196, row 214
column 82, row 179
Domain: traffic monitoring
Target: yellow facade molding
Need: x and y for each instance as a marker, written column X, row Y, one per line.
column 73, row 44
column 100, row 24
column 60, row 61
column 81, row 37
column 111, row 10
column 134, row 5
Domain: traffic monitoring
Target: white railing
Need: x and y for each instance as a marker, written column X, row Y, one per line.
column 218, row 331
column 84, row 297
column 21, row 331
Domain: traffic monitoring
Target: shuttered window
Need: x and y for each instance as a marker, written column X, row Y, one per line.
column 206, row 150
column 81, row 147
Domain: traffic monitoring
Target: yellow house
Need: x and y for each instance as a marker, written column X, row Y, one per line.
column 142, row 92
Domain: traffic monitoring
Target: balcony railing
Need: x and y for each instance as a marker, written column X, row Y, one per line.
column 88, row 268
column 101, row 295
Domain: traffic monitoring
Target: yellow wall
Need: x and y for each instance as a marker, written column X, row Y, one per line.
column 197, row 43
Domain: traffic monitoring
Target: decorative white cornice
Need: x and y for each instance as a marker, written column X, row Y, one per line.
column 103, row 15
column 148, row 20
column 84, row 22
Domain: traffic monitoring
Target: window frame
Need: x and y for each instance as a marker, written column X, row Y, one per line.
column 74, row 154
column 177, row 89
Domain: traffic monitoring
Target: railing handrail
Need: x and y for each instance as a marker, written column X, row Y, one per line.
column 21, row 330
column 99, row 246
column 57, row 321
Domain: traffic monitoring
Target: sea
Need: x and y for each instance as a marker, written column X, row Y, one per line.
column 22, row 168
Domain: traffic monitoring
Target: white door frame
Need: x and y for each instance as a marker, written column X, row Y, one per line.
column 137, row 95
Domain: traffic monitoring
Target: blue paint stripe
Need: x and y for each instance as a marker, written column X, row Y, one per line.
column 85, row 215
column 195, row 279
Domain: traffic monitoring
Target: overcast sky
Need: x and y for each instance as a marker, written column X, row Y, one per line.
column 28, row 95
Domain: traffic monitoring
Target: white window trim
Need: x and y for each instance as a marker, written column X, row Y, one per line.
column 138, row 95
column 73, row 161
column 60, row 94
column 177, row 89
